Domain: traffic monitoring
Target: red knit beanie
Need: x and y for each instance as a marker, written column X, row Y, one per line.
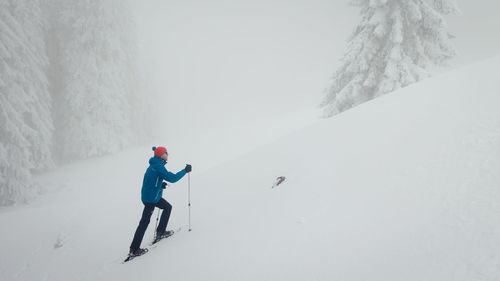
column 159, row 150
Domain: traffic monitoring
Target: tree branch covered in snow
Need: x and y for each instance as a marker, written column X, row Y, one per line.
column 67, row 81
column 26, row 126
column 392, row 47
column 93, row 105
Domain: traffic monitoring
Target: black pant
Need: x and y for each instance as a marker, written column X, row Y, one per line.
column 146, row 216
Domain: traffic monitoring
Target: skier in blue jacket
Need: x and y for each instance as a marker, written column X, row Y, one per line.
column 151, row 196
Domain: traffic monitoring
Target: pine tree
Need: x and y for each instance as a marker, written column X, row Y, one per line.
column 26, row 125
column 93, row 107
column 393, row 46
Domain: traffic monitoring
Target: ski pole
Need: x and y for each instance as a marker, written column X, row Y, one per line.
column 189, row 199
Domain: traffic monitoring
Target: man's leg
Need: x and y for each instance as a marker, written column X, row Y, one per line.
column 167, row 209
column 143, row 225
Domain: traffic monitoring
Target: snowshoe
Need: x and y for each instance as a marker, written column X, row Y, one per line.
column 135, row 253
column 162, row 235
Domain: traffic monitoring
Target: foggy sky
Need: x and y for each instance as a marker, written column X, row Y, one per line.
column 223, row 65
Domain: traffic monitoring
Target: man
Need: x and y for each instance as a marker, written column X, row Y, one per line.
column 151, row 196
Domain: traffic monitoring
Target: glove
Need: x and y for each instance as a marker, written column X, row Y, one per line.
column 188, row 168
column 164, row 185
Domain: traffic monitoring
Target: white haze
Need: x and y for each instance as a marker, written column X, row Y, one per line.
column 233, row 74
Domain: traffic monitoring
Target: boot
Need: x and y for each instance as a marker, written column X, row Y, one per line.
column 163, row 234
column 137, row 252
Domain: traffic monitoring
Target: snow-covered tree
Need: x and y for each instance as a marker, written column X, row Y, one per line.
column 26, row 125
column 93, row 107
column 393, row 46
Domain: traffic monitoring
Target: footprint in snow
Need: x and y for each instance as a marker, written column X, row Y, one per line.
column 61, row 240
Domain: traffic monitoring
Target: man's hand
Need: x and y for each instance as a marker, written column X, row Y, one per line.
column 164, row 185
column 188, row 168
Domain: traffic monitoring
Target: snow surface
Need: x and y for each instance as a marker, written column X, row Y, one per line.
column 405, row 187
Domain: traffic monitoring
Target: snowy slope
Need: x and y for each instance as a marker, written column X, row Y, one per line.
column 405, row 187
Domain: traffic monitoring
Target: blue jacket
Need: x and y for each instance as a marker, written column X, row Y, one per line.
column 153, row 178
